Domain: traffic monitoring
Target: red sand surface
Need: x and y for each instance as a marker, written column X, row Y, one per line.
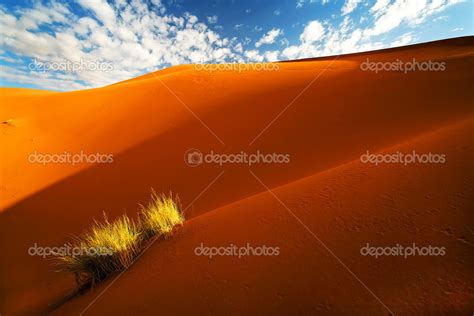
column 323, row 207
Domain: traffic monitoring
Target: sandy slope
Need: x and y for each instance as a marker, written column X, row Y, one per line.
column 149, row 122
column 345, row 208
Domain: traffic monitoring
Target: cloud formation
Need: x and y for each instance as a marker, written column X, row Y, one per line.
column 137, row 37
column 269, row 37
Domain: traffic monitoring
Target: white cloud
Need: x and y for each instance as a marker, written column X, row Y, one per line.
column 271, row 55
column 403, row 40
column 379, row 6
column 269, row 37
column 14, row 74
column 441, row 18
column 254, row 55
column 410, row 12
column 349, row 6
column 132, row 36
column 323, row 38
column 40, row 14
column 313, row 32
column 137, row 38
column 212, row 19
column 101, row 9
column 301, row 3
column 318, row 40
column 239, row 48
column 291, row 52
column 284, row 42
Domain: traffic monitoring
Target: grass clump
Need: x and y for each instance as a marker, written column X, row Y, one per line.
column 161, row 215
column 108, row 247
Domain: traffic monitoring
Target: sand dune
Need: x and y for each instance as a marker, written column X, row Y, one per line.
column 345, row 207
column 333, row 112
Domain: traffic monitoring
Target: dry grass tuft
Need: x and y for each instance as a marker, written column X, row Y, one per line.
column 161, row 215
column 109, row 247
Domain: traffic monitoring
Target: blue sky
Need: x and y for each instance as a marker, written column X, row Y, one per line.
column 65, row 46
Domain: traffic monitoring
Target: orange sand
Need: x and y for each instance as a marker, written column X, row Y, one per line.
column 336, row 113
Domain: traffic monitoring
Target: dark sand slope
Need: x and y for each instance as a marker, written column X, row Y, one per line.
column 346, row 208
column 149, row 122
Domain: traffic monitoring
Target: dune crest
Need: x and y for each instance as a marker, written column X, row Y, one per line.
column 324, row 113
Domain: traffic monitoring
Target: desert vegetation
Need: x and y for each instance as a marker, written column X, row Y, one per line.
column 112, row 246
column 160, row 215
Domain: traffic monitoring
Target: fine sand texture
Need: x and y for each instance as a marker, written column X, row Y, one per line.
column 320, row 209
